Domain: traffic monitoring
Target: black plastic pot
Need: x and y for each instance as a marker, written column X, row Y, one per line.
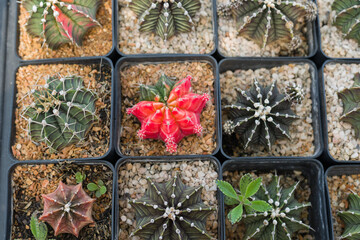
column 251, row 63
column 128, row 61
column 10, row 102
column 14, row 31
column 313, row 172
column 337, row 170
column 8, row 196
column 170, row 159
column 329, row 159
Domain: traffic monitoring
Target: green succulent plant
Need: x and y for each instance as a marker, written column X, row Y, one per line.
column 80, row 177
column 347, row 18
column 61, row 113
column 351, row 218
column 165, row 17
column 38, row 229
column 99, row 188
column 171, row 210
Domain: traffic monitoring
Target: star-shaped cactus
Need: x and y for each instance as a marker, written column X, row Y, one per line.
column 284, row 218
column 171, row 210
column 260, row 116
column 351, row 218
column 169, row 111
column 67, row 209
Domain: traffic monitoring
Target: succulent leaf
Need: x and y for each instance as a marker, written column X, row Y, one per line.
column 61, row 21
column 38, row 229
column 260, row 116
column 351, row 218
column 171, row 210
column 62, row 112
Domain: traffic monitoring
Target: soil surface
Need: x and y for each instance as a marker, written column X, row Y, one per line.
column 97, row 141
column 148, row 74
column 29, row 182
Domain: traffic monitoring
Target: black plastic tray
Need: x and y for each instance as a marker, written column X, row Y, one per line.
column 311, row 169
column 250, row 63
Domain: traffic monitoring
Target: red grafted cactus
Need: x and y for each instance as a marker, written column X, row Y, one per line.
column 169, row 111
column 67, row 209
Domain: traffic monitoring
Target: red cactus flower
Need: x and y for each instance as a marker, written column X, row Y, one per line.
column 169, row 111
column 67, row 209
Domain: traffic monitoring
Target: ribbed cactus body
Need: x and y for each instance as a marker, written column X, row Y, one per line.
column 351, row 218
column 62, row 112
column 61, row 21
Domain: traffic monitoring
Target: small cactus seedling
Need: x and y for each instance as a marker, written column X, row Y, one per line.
column 165, row 17
column 67, row 209
column 62, row 112
column 171, row 210
column 98, row 188
column 347, row 18
column 295, row 93
column 282, row 220
column 351, row 218
column 260, row 115
column 169, row 111
column 267, row 21
column 351, row 100
column 61, row 21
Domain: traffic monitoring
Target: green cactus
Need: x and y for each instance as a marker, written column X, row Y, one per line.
column 267, row 21
column 295, row 92
column 171, row 210
column 282, row 220
column 259, row 116
column 351, row 102
column 61, row 21
column 347, row 18
column 62, row 112
column 351, row 218
column 165, row 17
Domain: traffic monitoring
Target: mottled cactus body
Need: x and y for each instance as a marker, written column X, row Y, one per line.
column 169, row 111
column 68, row 209
column 165, row 17
column 171, row 210
column 351, row 104
column 284, row 218
column 61, row 21
column 351, row 218
column 347, row 18
column 267, row 21
column 260, row 116
column 62, row 112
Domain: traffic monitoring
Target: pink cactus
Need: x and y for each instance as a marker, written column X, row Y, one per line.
column 169, row 111
column 67, row 209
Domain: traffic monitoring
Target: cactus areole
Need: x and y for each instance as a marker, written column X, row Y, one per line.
column 67, row 209
column 169, row 111
column 61, row 21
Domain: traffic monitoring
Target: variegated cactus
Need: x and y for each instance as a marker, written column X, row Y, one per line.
column 267, row 21
column 351, row 218
column 166, row 17
column 61, row 21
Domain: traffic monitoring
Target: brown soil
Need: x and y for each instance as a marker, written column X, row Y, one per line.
column 287, row 179
column 30, row 181
column 203, row 82
column 97, row 42
column 97, row 141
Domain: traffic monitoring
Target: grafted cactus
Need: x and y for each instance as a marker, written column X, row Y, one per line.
column 62, row 112
column 165, row 17
column 171, row 210
column 347, row 18
column 351, row 100
column 267, row 21
column 61, row 21
column 351, row 218
column 260, row 116
column 169, row 111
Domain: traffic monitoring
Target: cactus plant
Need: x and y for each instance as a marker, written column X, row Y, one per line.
column 351, row 218
column 165, row 17
column 347, row 18
column 350, row 98
column 295, row 92
column 67, row 209
column 171, row 210
column 282, row 220
column 61, row 21
column 260, row 115
column 267, row 21
column 61, row 112
column 169, row 111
